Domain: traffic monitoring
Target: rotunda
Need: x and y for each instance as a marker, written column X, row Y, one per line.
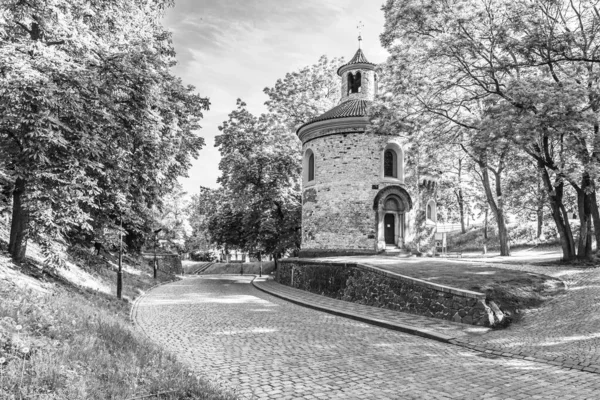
column 355, row 200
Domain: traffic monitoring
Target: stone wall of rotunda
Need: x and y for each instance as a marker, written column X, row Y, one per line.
column 338, row 206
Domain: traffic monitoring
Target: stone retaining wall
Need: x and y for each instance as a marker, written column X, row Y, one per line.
column 169, row 263
column 369, row 285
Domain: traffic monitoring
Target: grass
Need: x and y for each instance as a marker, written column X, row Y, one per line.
column 520, row 235
column 63, row 340
column 512, row 290
column 77, row 345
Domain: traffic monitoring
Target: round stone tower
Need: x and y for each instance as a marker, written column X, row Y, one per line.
column 354, row 195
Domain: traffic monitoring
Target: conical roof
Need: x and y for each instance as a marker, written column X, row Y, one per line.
column 351, row 108
column 359, row 58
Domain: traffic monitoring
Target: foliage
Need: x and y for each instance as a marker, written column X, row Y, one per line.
column 423, row 240
column 259, row 205
column 306, row 93
column 199, row 209
column 95, row 128
column 171, row 218
column 499, row 78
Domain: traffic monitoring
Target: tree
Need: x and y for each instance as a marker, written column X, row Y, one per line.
column 201, row 207
column 258, row 208
column 517, row 74
column 95, row 128
column 306, row 93
column 260, row 171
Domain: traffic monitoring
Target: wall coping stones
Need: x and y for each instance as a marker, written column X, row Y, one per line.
column 312, row 253
column 416, row 281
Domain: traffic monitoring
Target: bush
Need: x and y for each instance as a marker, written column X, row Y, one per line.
column 205, row 256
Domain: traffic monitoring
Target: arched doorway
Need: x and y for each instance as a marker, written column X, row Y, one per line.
column 391, row 206
column 393, row 220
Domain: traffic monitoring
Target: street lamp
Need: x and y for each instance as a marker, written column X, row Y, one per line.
column 156, row 232
column 120, row 271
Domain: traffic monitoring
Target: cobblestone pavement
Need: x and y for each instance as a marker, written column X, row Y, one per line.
column 267, row 348
column 564, row 330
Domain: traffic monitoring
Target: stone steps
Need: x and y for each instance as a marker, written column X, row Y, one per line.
column 396, row 252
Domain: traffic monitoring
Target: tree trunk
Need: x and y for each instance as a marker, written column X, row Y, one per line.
column 485, row 225
column 540, row 209
column 485, row 231
column 276, row 267
column 497, row 208
column 461, row 200
column 555, row 196
column 596, row 219
column 584, row 206
column 540, row 222
column 19, row 229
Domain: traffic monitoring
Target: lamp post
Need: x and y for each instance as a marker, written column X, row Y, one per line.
column 120, row 271
column 156, row 232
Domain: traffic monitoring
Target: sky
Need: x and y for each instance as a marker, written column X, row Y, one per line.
column 230, row 49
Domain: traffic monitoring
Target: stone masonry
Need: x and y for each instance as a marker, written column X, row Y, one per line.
column 337, row 209
column 368, row 285
column 357, row 202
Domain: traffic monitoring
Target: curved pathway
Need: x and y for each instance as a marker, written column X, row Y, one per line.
column 565, row 330
column 263, row 347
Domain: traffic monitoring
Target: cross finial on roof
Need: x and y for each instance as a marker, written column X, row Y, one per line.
column 360, row 28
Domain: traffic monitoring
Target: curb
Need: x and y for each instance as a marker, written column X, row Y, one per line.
column 372, row 321
column 429, row 334
column 134, row 305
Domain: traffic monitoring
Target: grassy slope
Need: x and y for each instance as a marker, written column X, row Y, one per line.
column 521, row 235
column 512, row 290
column 66, row 336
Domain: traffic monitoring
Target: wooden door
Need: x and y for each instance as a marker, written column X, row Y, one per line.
column 389, row 229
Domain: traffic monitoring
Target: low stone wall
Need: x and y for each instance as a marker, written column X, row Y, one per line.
column 241, row 268
column 168, row 263
column 365, row 284
column 312, row 253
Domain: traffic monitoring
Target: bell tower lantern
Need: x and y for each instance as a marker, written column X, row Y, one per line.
column 359, row 80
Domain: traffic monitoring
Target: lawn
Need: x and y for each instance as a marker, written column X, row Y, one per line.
column 512, row 290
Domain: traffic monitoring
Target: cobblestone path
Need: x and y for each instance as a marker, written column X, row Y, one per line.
column 565, row 330
column 266, row 348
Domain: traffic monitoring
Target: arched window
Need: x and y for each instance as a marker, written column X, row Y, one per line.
column 308, row 167
column 354, row 82
column 431, row 211
column 390, row 164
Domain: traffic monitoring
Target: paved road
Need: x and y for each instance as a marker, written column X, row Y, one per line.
column 263, row 347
